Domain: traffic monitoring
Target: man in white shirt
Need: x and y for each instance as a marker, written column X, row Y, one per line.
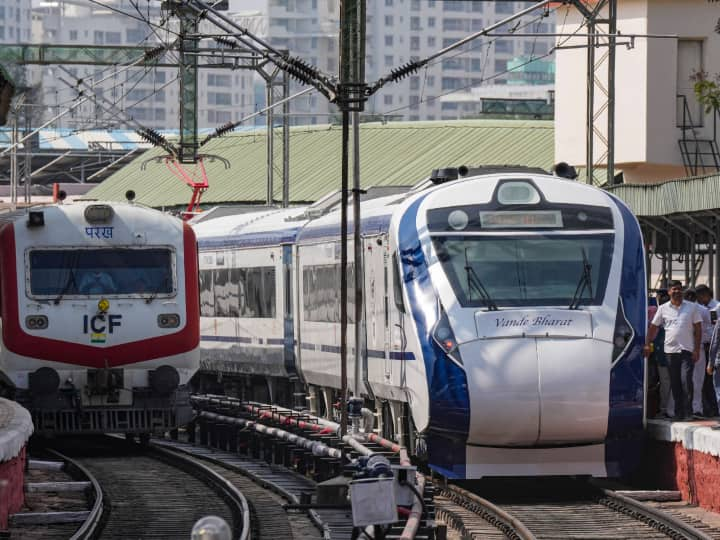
column 682, row 322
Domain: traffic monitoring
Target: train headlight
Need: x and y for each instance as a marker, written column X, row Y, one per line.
column 458, row 220
column 36, row 322
column 99, row 213
column 623, row 334
column 168, row 320
column 103, row 305
column 443, row 335
column 517, row 193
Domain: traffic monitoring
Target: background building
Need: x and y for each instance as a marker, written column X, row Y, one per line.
column 398, row 31
column 661, row 131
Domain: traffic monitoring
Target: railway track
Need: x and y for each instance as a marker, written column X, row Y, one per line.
column 149, row 492
column 268, row 489
column 542, row 510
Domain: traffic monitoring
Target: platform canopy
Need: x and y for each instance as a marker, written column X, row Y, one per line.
column 681, row 226
column 396, row 153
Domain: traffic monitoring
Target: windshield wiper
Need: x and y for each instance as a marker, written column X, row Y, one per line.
column 161, row 285
column 66, row 288
column 585, row 282
column 474, row 283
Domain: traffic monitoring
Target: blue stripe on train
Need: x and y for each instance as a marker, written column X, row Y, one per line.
column 625, row 421
column 447, row 383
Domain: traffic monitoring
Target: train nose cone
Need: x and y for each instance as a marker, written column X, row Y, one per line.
column 538, row 388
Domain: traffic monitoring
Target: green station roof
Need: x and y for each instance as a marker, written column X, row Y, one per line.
column 681, row 196
column 397, row 153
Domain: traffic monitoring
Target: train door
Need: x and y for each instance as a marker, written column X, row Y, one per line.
column 376, row 353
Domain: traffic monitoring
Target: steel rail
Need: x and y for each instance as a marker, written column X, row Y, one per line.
column 657, row 519
column 89, row 529
column 197, row 469
column 508, row 524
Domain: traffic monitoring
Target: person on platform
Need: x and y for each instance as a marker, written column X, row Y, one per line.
column 658, row 373
column 709, row 402
column 713, row 368
column 682, row 322
column 700, row 365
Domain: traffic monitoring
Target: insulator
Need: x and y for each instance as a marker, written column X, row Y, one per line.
column 303, row 67
column 227, row 42
column 298, row 74
column 403, row 71
column 154, row 53
column 222, row 130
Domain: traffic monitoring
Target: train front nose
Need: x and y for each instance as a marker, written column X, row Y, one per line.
column 537, row 390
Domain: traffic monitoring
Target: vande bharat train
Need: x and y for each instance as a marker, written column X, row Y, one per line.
column 100, row 316
column 504, row 317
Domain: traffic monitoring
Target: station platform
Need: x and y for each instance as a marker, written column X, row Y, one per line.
column 15, row 430
column 685, row 456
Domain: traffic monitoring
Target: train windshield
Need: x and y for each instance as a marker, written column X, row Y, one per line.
column 126, row 272
column 537, row 270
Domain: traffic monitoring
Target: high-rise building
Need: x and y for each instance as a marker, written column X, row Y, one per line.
column 398, row 32
column 149, row 96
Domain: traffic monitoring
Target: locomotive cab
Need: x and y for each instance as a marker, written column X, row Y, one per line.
column 100, row 321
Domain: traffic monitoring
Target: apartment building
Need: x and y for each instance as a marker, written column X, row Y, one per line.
column 148, row 96
column 398, row 32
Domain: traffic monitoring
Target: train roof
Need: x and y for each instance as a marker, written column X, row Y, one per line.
column 321, row 221
column 269, row 226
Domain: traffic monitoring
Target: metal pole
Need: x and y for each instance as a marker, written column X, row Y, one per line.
column 286, row 140
column 270, row 143
column 188, row 62
column 27, row 166
column 716, row 241
column 612, row 23
column 13, row 162
column 343, row 274
column 711, row 260
column 590, row 112
column 358, row 256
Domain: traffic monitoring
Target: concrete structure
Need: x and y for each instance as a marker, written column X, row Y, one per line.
column 398, row 31
column 526, row 101
column 685, row 456
column 15, row 20
column 649, row 77
column 15, row 430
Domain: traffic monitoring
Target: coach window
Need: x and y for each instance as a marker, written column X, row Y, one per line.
column 226, row 292
column 321, row 293
column 257, row 295
column 207, row 298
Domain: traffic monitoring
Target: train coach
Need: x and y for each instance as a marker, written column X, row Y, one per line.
column 503, row 320
column 100, row 316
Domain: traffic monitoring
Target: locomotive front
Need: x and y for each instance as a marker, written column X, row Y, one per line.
column 100, row 317
column 528, row 304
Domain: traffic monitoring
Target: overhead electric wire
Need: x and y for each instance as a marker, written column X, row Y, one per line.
column 494, row 76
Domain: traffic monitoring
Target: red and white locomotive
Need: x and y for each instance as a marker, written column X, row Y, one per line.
column 100, row 316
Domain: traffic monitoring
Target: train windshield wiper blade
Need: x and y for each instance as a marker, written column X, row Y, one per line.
column 585, row 282
column 474, row 284
column 154, row 294
column 66, row 288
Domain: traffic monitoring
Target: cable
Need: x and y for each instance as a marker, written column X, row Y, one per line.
column 121, row 12
column 496, row 75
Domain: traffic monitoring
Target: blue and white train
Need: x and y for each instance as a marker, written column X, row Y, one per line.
column 504, row 318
